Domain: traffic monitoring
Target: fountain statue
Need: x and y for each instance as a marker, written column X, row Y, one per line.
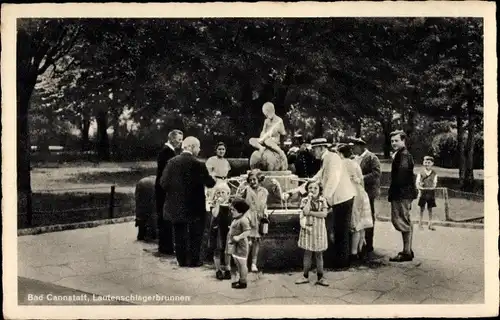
column 271, row 159
column 279, row 248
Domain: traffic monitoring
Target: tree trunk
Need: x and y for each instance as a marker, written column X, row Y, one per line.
column 251, row 113
column 116, row 133
column 460, row 149
column 319, row 128
column 24, row 192
column 468, row 184
column 357, row 128
column 387, row 129
column 102, row 136
column 85, row 133
column 281, row 107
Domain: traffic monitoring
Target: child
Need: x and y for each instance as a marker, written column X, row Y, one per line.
column 237, row 242
column 256, row 197
column 426, row 184
column 221, row 219
column 313, row 234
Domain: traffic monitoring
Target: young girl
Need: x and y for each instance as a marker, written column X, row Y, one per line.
column 361, row 217
column 313, row 236
column 237, row 242
column 221, row 219
column 256, row 197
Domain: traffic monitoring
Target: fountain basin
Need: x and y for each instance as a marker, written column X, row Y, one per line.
column 276, row 182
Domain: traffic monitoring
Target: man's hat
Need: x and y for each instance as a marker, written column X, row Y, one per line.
column 319, row 142
column 357, row 141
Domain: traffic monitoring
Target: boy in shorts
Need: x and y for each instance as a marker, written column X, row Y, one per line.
column 237, row 242
column 426, row 184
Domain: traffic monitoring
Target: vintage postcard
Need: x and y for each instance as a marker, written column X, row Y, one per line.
column 250, row 160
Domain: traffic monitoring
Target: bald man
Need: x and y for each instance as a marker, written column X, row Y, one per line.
column 184, row 180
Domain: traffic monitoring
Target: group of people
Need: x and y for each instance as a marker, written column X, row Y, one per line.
column 337, row 209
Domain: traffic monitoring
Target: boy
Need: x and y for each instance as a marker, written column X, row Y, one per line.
column 221, row 220
column 426, row 184
column 237, row 242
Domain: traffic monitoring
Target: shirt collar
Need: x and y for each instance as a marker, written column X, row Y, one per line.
column 168, row 144
column 364, row 153
column 324, row 155
column 187, row 151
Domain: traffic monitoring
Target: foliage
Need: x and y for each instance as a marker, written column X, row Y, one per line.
column 210, row 77
column 445, row 148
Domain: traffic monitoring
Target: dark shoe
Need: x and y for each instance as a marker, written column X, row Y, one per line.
column 160, row 254
column 371, row 256
column 234, row 284
column 412, row 254
column 354, row 260
column 196, row 264
column 141, row 232
column 227, row 275
column 239, row 285
column 166, row 251
column 219, row 275
column 401, row 257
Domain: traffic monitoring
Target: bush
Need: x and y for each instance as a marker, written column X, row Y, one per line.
column 445, row 147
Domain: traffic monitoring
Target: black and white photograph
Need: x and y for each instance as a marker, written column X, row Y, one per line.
column 262, row 156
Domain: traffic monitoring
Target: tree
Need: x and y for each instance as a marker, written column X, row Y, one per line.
column 41, row 44
column 454, row 76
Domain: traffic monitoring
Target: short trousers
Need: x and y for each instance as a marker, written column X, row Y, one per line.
column 431, row 202
column 254, row 239
column 216, row 243
column 400, row 215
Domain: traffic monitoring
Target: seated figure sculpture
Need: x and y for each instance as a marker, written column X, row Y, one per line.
column 269, row 156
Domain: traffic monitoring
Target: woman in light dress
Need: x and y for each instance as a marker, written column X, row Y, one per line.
column 218, row 166
column 361, row 217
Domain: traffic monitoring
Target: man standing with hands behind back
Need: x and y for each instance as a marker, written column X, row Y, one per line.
column 401, row 194
column 165, row 231
column 184, row 180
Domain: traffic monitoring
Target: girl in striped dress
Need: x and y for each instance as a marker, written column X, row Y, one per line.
column 313, row 235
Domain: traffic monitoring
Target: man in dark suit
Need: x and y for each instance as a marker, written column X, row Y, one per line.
column 370, row 166
column 165, row 231
column 184, row 180
column 306, row 165
column 402, row 192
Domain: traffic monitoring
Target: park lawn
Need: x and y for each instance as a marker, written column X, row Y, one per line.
column 459, row 209
column 126, row 174
column 73, row 207
column 96, row 182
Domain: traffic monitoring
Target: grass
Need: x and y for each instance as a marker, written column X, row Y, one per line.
column 459, row 210
column 67, row 206
column 64, row 208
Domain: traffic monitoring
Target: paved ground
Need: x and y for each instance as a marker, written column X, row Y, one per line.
column 104, row 262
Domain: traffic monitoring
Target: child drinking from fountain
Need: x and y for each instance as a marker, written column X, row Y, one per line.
column 221, row 219
column 256, row 197
column 313, row 235
column 237, row 242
